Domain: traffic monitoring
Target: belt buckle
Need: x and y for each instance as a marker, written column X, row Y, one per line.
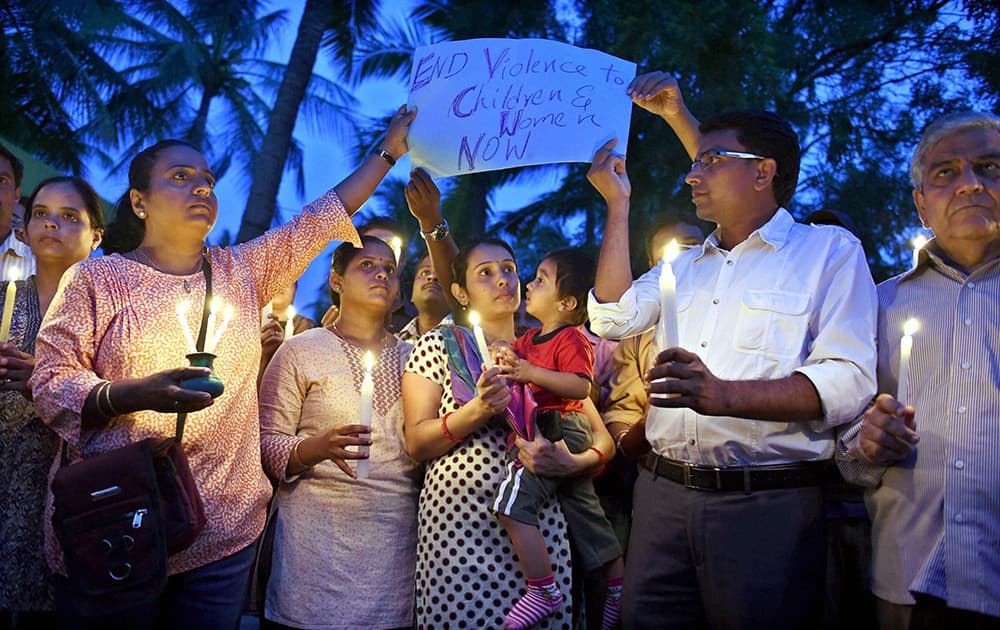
column 688, row 483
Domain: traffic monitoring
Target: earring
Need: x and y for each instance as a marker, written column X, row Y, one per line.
column 142, row 214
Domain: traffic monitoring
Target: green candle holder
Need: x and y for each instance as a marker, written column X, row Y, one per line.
column 211, row 384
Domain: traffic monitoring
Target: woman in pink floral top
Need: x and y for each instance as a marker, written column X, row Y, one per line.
column 116, row 322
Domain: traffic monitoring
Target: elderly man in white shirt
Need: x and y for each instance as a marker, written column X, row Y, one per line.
column 777, row 347
column 14, row 255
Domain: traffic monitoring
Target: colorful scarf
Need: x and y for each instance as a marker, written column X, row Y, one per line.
column 465, row 364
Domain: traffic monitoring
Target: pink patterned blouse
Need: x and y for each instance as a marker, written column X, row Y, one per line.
column 115, row 318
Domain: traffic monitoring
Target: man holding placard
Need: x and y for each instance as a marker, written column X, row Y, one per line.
column 775, row 347
column 928, row 446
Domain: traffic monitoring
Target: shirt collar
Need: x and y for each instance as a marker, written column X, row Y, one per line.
column 11, row 243
column 930, row 255
column 775, row 233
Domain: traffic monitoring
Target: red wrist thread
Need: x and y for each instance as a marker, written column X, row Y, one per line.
column 445, row 431
column 604, row 461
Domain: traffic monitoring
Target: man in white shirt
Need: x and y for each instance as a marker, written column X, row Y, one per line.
column 777, row 347
column 13, row 253
column 932, row 465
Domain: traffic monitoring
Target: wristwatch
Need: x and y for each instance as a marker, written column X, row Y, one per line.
column 437, row 233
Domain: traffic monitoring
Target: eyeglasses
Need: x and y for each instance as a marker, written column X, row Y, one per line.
column 708, row 159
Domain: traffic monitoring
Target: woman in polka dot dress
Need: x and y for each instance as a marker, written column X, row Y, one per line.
column 467, row 574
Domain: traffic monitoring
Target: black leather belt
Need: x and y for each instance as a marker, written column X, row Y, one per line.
column 739, row 479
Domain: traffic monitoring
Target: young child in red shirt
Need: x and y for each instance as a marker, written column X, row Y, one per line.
column 556, row 360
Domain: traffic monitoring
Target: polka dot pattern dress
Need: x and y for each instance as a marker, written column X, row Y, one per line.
column 467, row 574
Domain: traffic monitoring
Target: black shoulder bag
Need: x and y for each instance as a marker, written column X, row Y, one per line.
column 120, row 514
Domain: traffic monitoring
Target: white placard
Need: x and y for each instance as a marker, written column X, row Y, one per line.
column 488, row 104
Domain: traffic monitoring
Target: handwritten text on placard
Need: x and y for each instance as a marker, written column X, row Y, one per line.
column 487, row 104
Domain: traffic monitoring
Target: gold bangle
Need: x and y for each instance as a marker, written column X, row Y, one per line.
column 295, row 459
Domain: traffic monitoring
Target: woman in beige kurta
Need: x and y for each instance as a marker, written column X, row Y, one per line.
column 345, row 545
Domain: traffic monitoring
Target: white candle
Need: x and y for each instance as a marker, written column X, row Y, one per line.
column 918, row 243
column 484, row 349
column 910, row 326
column 8, row 305
column 182, row 309
column 213, row 309
column 367, row 390
column 290, row 322
column 396, row 244
column 227, row 314
column 666, row 329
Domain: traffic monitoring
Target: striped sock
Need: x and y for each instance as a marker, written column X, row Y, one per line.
column 612, row 604
column 542, row 599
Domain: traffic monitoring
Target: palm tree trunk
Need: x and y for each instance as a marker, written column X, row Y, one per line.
column 480, row 190
column 270, row 163
column 196, row 134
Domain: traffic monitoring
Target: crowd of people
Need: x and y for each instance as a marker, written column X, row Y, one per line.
column 433, row 462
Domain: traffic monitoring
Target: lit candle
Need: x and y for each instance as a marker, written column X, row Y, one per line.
column 8, row 305
column 396, row 244
column 367, row 390
column 182, row 309
column 227, row 314
column 910, row 326
column 290, row 322
column 484, row 349
column 213, row 309
column 666, row 329
column 918, row 243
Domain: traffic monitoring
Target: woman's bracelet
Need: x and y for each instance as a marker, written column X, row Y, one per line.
column 445, row 431
column 107, row 398
column 295, row 460
column 604, row 461
column 97, row 399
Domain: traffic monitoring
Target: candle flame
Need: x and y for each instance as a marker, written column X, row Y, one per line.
column 671, row 251
column 215, row 306
column 919, row 241
column 14, row 273
column 911, row 326
column 396, row 244
column 369, row 361
column 183, row 306
column 474, row 318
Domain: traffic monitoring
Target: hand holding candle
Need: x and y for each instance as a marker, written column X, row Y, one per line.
column 8, row 305
column 367, row 391
column 477, row 331
column 910, row 326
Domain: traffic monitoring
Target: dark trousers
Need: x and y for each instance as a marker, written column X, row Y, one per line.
column 931, row 613
column 724, row 559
